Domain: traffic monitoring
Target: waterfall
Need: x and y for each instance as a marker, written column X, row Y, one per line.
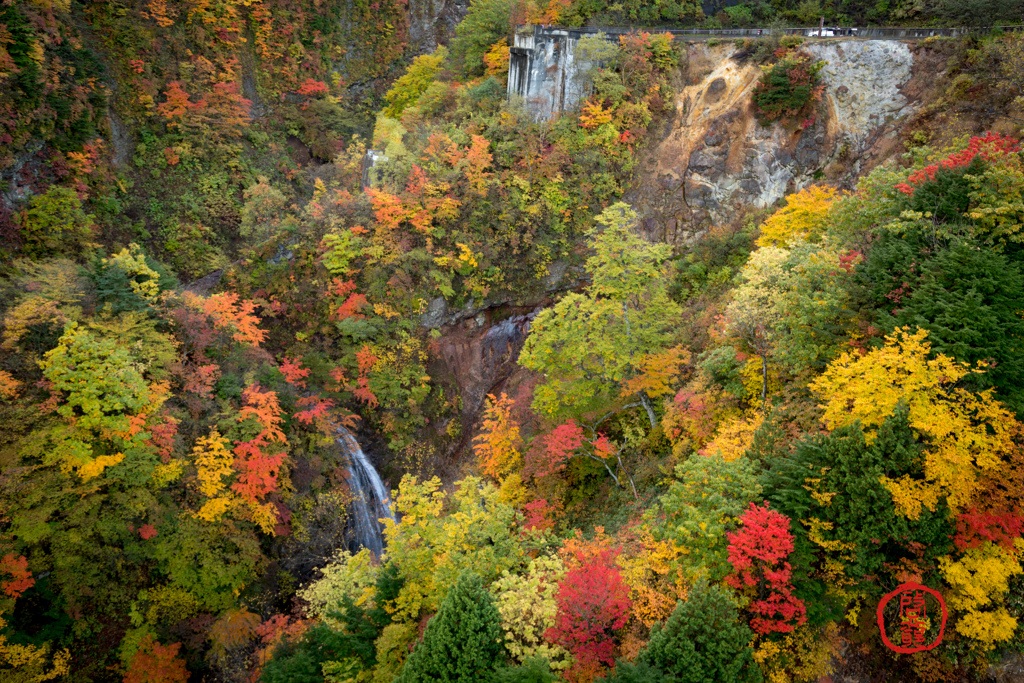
column 370, row 500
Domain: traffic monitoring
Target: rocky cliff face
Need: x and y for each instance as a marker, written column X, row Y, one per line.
column 714, row 160
column 433, row 22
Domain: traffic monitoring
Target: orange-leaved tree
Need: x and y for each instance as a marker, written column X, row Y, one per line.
column 497, row 447
column 156, row 663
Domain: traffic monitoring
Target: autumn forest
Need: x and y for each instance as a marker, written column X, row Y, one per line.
column 256, row 253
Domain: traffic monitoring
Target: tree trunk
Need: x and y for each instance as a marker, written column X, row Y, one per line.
column 764, row 379
column 646, row 402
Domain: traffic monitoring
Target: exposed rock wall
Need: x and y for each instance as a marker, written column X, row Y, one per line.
column 433, row 22
column 715, row 160
column 543, row 68
column 864, row 82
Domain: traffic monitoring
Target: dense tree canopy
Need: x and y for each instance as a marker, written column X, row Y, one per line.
column 601, row 456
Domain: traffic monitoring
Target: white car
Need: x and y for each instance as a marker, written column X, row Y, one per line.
column 831, row 32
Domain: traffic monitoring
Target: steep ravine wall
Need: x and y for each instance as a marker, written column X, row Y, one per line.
column 710, row 161
column 714, row 160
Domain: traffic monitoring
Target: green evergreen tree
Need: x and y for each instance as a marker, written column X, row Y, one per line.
column 349, row 649
column 462, row 643
column 533, row 670
column 845, row 470
column 703, row 641
column 966, row 295
column 638, row 672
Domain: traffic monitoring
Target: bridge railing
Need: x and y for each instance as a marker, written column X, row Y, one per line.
column 811, row 31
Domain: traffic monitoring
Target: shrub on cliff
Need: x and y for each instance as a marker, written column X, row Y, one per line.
column 788, row 88
column 486, row 23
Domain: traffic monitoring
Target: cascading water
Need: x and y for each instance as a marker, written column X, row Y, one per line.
column 370, row 501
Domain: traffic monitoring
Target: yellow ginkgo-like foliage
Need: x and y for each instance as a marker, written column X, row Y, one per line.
column 133, row 262
column 346, row 575
column 649, row 568
column 431, row 548
column 31, row 663
column 805, row 213
column 735, row 437
column 528, row 607
column 806, row 654
column 95, row 467
column 965, row 433
column 980, row 580
column 594, row 115
column 213, row 461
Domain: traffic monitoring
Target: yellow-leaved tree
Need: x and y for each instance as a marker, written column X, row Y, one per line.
column 436, row 539
column 734, row 437
column 213, row 459
column 803, row 217
column 528, row 607
column 965, row 433
column 980, row 581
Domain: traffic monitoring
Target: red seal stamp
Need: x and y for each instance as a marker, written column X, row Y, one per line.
column 914, row 623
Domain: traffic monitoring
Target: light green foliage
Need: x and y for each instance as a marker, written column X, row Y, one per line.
column 528, row 607
column 388, row 134
column 208, row 562
column 392, row 648
column 700, row 507
column 340, row 249
column 99, row 377
column 151, row 350
column 54, row 222
column 400, row 384
column 874, row 203
column 347, row 575
column 592, row 52
column 414, row 82
column 462, row 644
column 588, row 345
column 792, row 304
column 261, row 210
column 997, row 200
column 431, row 548
column 486, row 22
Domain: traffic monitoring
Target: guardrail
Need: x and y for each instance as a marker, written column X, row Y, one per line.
column 896, row 33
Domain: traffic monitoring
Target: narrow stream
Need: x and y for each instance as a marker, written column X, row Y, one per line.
column 370, row 500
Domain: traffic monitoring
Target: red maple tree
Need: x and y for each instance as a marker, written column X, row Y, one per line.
column 593, row 602
column 21, row 578
column 757, row 553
